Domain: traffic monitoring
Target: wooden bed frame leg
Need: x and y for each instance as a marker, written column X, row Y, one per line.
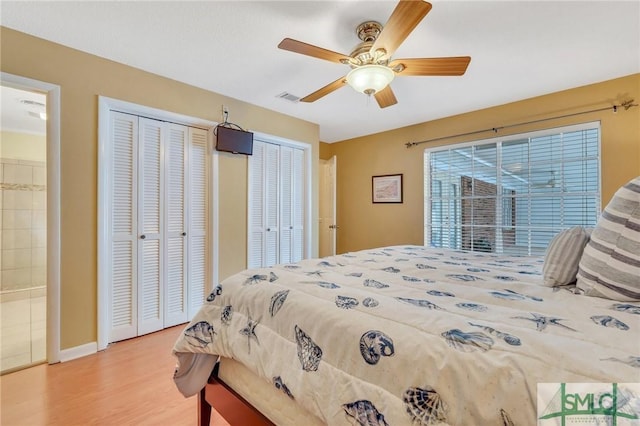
column 204, row 409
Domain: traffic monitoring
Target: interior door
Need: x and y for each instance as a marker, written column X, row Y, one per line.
column 287, row 181
column 157, row 219
column 175, row 164
column 123, row 295
column 150, row 223
column 196, row 238
column 291, row 205
column 272, row 204
column 328, row 220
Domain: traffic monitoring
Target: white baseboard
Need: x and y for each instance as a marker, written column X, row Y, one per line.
column 78, row 351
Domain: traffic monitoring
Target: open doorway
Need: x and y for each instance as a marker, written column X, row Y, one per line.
column 29, row 223
column 23, row 219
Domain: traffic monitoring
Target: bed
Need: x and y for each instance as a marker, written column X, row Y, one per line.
column 414, row 335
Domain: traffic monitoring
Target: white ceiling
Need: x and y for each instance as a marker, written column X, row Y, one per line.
column 21, row 111
column 519, row 50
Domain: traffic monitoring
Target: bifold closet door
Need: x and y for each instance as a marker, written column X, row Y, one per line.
column 136, row 291
column 123, row 227
column 159, row 224
column 151, row 200
column 276, row 204
column 256, row 207
column 292, row 204
column 175, row 254
column 198, row 216
column 264, row 192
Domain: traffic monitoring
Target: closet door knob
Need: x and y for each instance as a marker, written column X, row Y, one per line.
column 142, row 237
column 184, row 234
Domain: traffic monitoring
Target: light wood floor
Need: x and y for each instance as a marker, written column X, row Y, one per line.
column 130, row 383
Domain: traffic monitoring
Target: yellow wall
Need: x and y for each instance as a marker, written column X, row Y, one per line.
column 23, row 146
column 366, row 225
column 82, row 78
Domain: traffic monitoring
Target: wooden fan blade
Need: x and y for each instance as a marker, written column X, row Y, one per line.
column 455, row 65
column 405, row 17
column 311, row 50
column 385, row 97
column 325, row 90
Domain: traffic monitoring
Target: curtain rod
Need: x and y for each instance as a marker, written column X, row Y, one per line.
column 626, row 105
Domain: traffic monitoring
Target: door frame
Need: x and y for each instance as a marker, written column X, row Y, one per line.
column 105, row 106
column 52, row 92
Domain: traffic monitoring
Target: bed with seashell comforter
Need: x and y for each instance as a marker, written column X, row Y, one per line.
column 410, row 335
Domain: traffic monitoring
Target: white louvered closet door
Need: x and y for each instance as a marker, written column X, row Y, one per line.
column 256, row 207
column 159, row 221
column 276, row 205
column 150, row 224
column 271, row 204
column 286, row 203
column 175, row 164
column 123, row 228
column 292, row 204
column 297, row 205
column 198, row 219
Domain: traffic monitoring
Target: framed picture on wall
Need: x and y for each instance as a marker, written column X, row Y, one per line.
column 386, row 189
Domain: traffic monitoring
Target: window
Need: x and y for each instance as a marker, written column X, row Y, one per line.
column 512, row 195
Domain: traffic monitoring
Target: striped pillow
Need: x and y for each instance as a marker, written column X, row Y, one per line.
column 563, row 255
column 610, row 264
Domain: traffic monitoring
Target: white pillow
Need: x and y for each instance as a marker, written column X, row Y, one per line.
column 563, row 255
column 610, row 264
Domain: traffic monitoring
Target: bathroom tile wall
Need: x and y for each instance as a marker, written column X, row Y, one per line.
column 23, row 232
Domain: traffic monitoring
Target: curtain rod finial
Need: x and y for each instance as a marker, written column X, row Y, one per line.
column 628, row 104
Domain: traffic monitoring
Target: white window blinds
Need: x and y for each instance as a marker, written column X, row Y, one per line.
column 512, row 195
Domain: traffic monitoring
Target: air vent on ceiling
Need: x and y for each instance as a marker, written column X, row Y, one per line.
column 288, row 97
column 32, row 103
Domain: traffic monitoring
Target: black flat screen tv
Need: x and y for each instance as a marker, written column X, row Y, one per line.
column 234, row 140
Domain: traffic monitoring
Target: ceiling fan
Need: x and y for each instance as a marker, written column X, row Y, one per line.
column 372, row 66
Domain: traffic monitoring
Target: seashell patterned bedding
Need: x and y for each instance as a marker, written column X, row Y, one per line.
column 408, row 335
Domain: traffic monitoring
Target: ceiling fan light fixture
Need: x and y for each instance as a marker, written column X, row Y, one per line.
column 370, row 79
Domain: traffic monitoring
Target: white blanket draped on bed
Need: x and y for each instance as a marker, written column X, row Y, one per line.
column 407, row 334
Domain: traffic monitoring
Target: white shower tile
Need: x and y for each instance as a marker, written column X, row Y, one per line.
column 13, row 199
column 22, row 330
column 23, row 200
column 16, row 239
column 39, row 176
column 14, row 279
column 17, row 219
column 15, row 341
column 39, row 347
column 16, row 173
column 39, row 200
column 39, row 238
column 8, row 199
column 8, row 239
column 39, row 219
column 14, row 314
column 38, row 276
column 38, row 313
column 39, row 256
column 16, row 258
